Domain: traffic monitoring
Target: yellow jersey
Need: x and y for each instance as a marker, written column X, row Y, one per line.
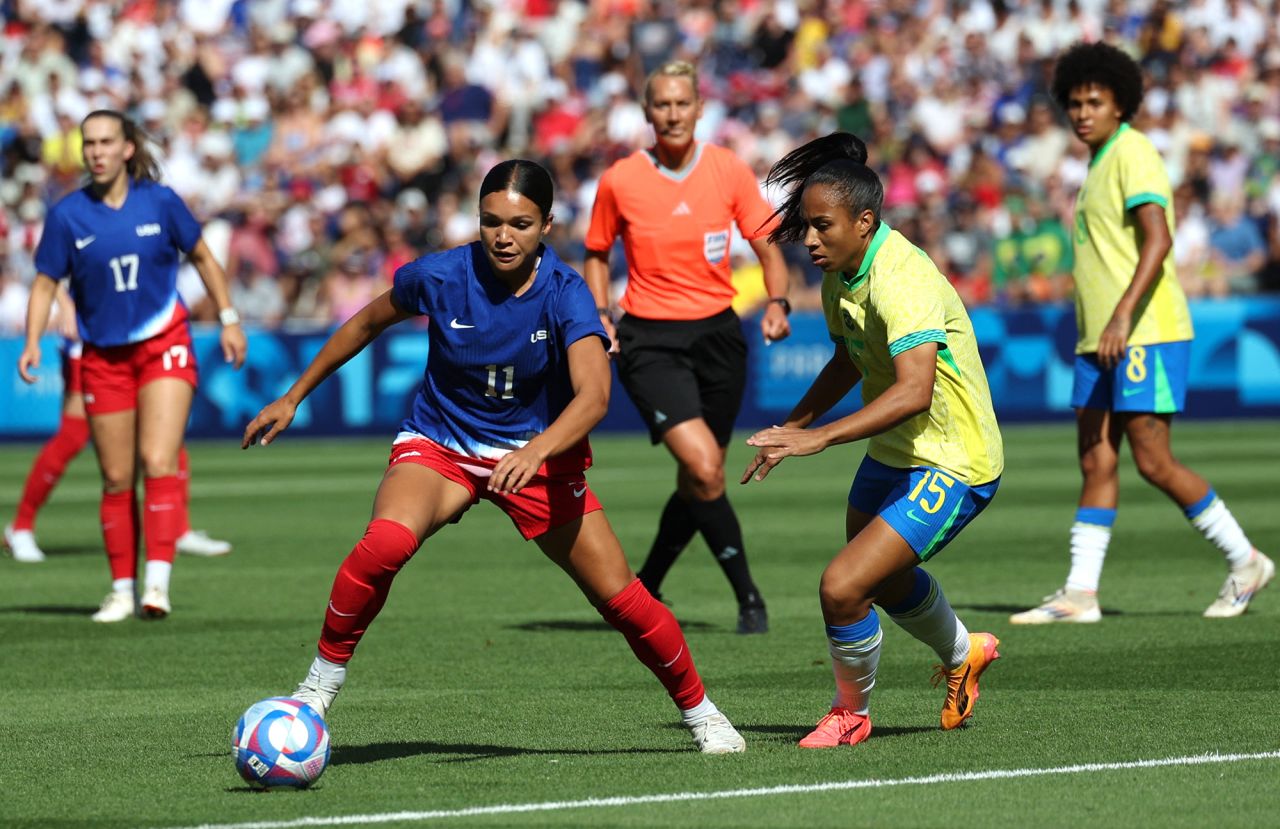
column 896, row 301
column 1125, row 173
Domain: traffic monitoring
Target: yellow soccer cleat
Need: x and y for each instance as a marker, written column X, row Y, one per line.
column 962, row 681
column 840, row 727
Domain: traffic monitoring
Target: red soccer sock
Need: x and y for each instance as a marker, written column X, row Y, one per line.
column 361, row 586
column 119, row 516
column 655, row 637
column 46, row 471
column 184, row 476
column 161, row 516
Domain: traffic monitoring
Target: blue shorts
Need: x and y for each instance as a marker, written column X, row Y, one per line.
column 926, row 506
column 1150, row 378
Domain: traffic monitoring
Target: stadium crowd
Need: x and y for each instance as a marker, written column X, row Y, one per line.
column 323, row 143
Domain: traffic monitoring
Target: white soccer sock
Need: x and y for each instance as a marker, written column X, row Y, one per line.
column 122, row 585
column 158, row 574
column 329, row 672
column 934, row 623
column 1088, row 552
column 855, row 655
column 1218, row 525
column 699, row 712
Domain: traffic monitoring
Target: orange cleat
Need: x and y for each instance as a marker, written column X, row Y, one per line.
column 962, row 682
column 840, row 727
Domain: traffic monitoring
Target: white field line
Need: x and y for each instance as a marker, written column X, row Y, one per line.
column 682, row 797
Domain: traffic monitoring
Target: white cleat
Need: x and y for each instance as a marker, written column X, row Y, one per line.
column 716, row 735
column 155, row 603
column 22, row 544
column 319, row 689
column 1239, row 588
column 198, row 543
column 116, row 607
column 1064, row 606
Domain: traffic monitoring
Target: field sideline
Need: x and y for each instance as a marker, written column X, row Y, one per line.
column 489, row 693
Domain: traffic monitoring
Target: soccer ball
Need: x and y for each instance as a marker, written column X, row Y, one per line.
column 280, row 742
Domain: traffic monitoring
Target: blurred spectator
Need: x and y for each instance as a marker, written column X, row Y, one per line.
column 276, row 118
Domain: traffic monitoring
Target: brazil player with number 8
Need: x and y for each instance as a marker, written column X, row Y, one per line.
column 935, row 455
column 119, row 240
column 517, row 375
column 1134, row 340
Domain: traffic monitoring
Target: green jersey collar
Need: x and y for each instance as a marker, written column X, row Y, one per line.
column 1120, row 130
column 882, row 233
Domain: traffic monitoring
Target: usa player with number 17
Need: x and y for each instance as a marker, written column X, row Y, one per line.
column 517, row 375
column 119, row 240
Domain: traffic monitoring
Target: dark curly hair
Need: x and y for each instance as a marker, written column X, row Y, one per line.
column 1104, row 65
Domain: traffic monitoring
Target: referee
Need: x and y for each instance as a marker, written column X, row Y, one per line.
column 681, row 353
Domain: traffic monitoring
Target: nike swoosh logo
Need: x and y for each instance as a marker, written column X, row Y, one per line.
column 159, row 507
column 81, row 244
column 578, row 493
column 1131, row 392
column 453, row 323
column 912, row 515
column 673, row 661
column 337, row 612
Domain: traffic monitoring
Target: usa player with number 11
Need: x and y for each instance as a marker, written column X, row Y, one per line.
column 517, row 375
column 119, row 240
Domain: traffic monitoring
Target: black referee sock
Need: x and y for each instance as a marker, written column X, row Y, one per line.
column 675, row 531
column 719, row 526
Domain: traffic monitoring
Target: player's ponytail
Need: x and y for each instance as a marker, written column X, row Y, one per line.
column 839, row 160
column 142, row 166
column 528, row 178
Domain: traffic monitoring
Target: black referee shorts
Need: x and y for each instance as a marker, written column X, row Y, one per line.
column 678, row 370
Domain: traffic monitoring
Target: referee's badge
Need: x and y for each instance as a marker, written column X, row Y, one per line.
column 715, row 246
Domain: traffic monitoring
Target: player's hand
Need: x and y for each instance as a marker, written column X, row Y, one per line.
column 778, row 442
column 67, row 326
column 271, row 421
column 1114, row 341
column 515, row 469
column 30, row 359
column 774, row 325
column 234, row 344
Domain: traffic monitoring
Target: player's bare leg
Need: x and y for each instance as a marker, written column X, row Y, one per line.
column 1249, row 570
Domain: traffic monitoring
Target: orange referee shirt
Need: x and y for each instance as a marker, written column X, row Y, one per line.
column 675, row 229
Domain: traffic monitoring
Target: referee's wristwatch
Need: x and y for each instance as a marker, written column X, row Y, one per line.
column 784, row 302
column 228, row 316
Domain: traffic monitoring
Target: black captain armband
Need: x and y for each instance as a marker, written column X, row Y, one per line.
column 784, row 302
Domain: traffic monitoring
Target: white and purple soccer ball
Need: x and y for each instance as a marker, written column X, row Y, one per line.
column 280, row 742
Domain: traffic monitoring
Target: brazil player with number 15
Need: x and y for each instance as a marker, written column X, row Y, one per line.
column 119, row 240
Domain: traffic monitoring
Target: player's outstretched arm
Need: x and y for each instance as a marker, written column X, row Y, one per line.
column 348, row 341
column 592, row 381
column 835, row 380
column 39, row 305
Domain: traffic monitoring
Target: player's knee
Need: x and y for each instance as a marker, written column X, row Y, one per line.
column 1094, row 465
column 1155, row 467
column 703, row 479
column 157, row 463
column 843, row 596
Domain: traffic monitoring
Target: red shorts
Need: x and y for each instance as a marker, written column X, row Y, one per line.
column 72, row 382
column 543, row 504
column 112, row 376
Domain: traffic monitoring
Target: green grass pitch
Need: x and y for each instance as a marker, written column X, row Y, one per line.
column 489, row 682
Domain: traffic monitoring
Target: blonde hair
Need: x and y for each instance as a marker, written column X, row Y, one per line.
column 673, row 69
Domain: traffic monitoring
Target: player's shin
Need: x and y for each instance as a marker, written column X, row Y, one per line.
column 361, row 586
column 855, row 655
column 927, row 615
column 657, row 641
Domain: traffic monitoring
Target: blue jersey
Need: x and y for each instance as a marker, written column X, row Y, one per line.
column 123, row 263
column 497, row 369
